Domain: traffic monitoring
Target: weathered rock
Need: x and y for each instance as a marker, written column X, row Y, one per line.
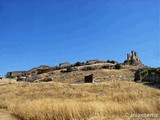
column 39, row 70
column 47, row 79
column 108, row 66
column 33, row 78
column 15, row 74
column 21, row 78
column 85, row 68
column 90, row 62
column 64, row 65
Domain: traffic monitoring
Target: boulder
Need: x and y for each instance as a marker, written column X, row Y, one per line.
column 47, row 79
column 21, row 78
column 15, row 74
column 64, row 65
column 33, row 78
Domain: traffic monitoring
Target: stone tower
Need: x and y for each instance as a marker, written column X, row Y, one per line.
column 133, row 59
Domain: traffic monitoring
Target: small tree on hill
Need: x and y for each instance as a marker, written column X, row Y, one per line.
column 69, row 69
column 132, row 61
column 78, row 64
column 117, row 66
column 108, row 61
column 113, row 62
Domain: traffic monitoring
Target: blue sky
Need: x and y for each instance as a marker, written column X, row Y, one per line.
column 48, row 32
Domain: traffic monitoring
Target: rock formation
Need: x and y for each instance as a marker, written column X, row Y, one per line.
column 30, row 75
column 15, row 74
column 149, row 75
column 64, row 65
column 90, row 62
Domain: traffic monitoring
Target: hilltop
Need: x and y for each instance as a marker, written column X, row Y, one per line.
column 102, row 70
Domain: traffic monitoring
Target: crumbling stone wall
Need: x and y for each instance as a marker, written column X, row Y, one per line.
column 133, row 59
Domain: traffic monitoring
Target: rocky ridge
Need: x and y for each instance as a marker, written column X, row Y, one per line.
column 47, row 73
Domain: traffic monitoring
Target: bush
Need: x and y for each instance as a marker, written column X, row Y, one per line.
column 69, row 69
column 132, row 61
column 56, row 68
column 89, row 68
column 118, row 66
column 105, row 67
column 108, row 61
column 113, row 62
column 144, row 72
column 78, row 64
column 158, row 71
column 7, row 76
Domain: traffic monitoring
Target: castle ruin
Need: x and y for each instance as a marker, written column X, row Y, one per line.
column 132, row 59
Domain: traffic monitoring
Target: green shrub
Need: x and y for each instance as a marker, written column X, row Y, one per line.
column 144, row 72
column 108, row 61
column 69, row 69
column 132, row 61
column 9, row 77
column 113, row 62
column 78, row 64
column 56, row 68
column 117, row 66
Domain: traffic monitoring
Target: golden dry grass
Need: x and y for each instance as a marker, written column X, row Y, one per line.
column 61, row 101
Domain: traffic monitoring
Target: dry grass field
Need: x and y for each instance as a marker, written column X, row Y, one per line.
column 110, row 100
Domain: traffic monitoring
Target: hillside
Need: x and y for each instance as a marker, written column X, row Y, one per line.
column 57, row 101
column 59, row 93
column 102, row 70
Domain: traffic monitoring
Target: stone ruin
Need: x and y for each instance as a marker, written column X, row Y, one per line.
column 133, row 59
column 88, row 79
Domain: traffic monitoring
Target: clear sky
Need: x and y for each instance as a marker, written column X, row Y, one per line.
column 48, row 32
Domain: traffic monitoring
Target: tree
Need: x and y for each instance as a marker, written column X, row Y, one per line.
column 132, row 61
column 78, row 64
column 108, row 61
column 113, row 62
column 117, row 66
column 69, row 69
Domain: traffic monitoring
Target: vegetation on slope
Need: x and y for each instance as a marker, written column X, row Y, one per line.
column 146, row 72
column 59, row 101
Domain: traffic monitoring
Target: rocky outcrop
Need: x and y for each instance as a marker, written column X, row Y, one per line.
column 33, row 78
column 47, row 79
column 64, row 65
column 133, row 59
column 148, row 75
column 30, row 75
column 39, row 70
column 90, row 62
column 15, row 74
